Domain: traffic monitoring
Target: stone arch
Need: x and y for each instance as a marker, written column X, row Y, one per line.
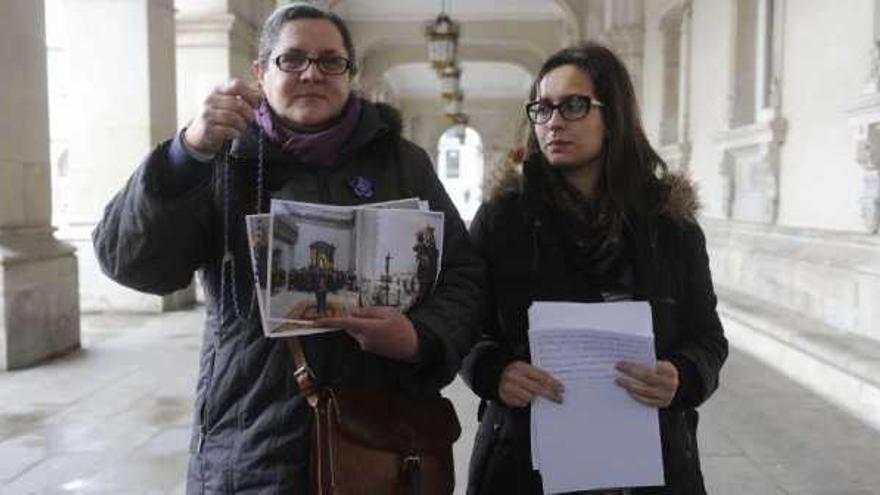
column 376, row 61
column 570, row 21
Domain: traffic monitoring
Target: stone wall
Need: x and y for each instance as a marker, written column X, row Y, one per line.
column 782, row 145
column 830, row 277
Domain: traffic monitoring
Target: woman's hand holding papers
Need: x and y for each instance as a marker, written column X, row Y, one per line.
column 382, row 330
column 521, row 382
column 654, row 388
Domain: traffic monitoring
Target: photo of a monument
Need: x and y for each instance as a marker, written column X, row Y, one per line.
column 311, row 263
column 320, row 261
column 398, row 256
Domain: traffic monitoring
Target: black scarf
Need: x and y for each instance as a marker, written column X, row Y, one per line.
column 593, row 242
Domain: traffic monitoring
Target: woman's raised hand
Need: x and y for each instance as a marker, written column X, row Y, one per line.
column 224, row 115
column 521, row 382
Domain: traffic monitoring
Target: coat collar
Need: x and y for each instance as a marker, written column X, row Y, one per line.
column 377, row 121
column 678, row 196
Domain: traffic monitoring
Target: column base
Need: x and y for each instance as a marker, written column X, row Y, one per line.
column 39, row 315
column 98, row 293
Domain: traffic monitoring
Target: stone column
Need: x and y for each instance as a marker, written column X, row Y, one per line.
column 423, row 125
column 623, row 30
column 620, row 25
column 121, row 94
column 675, row 120
column 216, row 40
column 39, row 304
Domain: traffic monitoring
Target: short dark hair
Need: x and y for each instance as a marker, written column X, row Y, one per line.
column 629, row 165
column 302, row 10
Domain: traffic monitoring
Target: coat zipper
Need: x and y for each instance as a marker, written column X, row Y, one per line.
column 203, row 411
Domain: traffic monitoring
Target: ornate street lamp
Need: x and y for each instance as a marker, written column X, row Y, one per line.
column 453, row 103
column 442, row 34
column 450, row 81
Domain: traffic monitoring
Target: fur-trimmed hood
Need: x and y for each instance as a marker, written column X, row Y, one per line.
column 679, row 197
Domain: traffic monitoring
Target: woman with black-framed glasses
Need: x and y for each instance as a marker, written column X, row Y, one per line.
column 303, row 134
column 593, row 215
column 297, row 61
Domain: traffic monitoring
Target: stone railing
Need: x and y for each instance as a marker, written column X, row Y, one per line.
column 830, row 277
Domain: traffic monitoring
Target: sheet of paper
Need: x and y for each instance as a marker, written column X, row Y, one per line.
column 630, row 317
column 599, row 437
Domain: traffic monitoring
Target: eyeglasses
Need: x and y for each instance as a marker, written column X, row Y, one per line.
column 571, row 107
column 331, row 65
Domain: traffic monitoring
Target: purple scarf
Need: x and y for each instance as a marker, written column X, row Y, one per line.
column 319, row 148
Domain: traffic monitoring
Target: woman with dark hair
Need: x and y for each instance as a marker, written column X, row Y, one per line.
column 594, row 216
column 305, row 135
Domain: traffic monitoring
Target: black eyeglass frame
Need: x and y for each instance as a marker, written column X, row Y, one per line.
column 590, row 101
column 314, row 60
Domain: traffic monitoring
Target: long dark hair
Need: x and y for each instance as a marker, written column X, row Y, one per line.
column 629, row 165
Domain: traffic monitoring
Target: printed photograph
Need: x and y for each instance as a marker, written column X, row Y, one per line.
column 311, row 263
column 399, row 256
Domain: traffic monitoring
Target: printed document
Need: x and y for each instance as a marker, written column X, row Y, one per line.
column 599, row 437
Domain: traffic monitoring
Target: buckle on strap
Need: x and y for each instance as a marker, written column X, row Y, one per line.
column 305, row 379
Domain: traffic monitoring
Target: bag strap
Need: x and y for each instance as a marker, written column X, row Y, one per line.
column 305, row 379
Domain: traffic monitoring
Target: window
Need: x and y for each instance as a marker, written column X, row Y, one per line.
column 755, row 61
column 751, row 156
column 460, row 162
column 452, row 171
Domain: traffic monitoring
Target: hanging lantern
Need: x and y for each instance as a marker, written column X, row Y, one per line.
column 453, row 103
column 457, row 118
column 442, row 36
column 459, row 125
column 450, row 81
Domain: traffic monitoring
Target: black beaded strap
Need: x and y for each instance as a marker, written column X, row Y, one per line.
column 227, row 263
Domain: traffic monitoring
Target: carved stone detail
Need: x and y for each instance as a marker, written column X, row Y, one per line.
column 750, row 171
column 869, row 201
column 628, row 42
column 677, row 156
column 865, row 120
column 873, row 84
column 727, row 185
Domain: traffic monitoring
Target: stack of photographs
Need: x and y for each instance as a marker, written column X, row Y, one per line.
column 313, row 261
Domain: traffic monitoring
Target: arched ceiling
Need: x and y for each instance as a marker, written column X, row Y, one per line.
column 382, row 58
column 423, row 10
column 514, row 34
column 417, row 80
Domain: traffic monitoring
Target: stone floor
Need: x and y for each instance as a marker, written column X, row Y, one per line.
column 114, row 418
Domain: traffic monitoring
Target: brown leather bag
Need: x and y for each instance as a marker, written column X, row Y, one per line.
column 371, row 441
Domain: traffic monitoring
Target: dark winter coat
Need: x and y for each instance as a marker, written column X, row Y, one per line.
column 527, row 261
column 251, row 429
